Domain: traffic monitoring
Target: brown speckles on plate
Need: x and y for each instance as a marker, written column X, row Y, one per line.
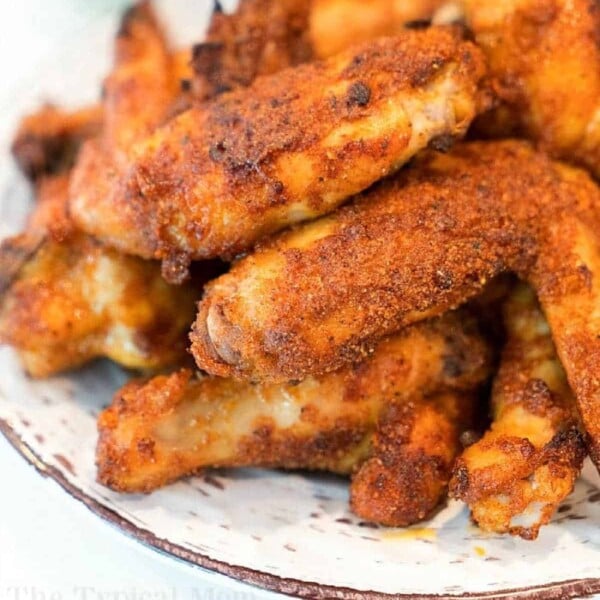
column 65, row 463
column 214, row 482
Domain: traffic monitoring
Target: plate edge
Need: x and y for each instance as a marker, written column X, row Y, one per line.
column 575, row 588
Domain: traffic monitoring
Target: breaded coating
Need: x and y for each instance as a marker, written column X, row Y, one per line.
column 172, row 426
column 411, row 457
column 515, row 477
column 66, row 299
column 261, row 37
column 48, row 219
column 335, row 25
column 142, row 83
column 138, row 94
column 47, row 141
column 77, row 300
column 544, row 58
column 315, row 298
column 292, row 146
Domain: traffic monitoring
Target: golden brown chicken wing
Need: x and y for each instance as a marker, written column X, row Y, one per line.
column 138, row 94
column 544, row 60
column 414, row 246
column 169, row 427
column 292, row 146
column 335, row 25
column 261, row 37
column 76, row 300
column 142, row 83
column 68, row 299
column 515, row 477
column 411, row 456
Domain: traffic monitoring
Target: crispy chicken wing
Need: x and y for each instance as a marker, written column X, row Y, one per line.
column 292, row 146
column 410, row 459
column 67, row 298
column 515, row 477
column 138, row 94
column 416, row 245
column 48, row 140
column 335, row 25
column 142, row 83
column 77, row 300
column 261, row 37
column 544, row 58
column 417, row 385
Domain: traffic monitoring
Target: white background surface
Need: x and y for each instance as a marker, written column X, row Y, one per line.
column 51, row 546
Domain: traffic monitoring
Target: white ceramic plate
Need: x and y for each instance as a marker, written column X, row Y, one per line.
column 287, row 532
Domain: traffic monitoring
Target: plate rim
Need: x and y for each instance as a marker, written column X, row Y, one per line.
column 573, row 588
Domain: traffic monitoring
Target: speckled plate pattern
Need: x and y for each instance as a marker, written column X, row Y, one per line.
column 288, row 532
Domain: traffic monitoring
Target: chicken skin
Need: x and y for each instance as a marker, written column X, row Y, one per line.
column 515, row 477
column 218, row 177
column 142, row 83
column 415, row 392
column 414, row 246
column 544, row 62
column 138, row 95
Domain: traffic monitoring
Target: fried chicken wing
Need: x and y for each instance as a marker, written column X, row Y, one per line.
column 414, row 246
column 169, row 427
column 68, row 299
column 288, row 148
column 261, row 37
column 335, row 25
column 76, row 300
column 138, row 94
column 515, row 477
column 411, row 456
column 544, row 60
column 48, row 140
column 142, row 83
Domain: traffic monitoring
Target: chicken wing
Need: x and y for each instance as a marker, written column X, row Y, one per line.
column 414, row 246
column 67, row 298
column 138, row 94
column 48, row 140
column 142, row 83
column 260, row 38
column 411, row 455
column 544, row 61
column 335, row 25
column 515, row 477
column 220, row 176
column 169, row 427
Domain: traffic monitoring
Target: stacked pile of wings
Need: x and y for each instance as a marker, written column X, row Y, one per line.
column 375, row 217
